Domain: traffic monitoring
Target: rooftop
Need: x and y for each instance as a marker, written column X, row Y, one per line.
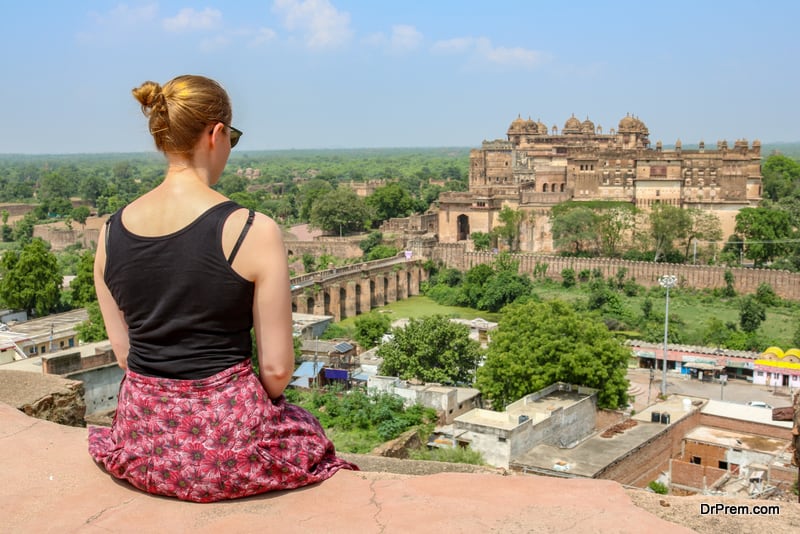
column 595, row 453
column 738, row 440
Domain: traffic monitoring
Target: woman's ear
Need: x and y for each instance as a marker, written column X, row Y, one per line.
column 216, row 131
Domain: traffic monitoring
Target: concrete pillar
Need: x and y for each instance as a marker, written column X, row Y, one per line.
column 350, row 303
column 335, row 307
column 392, row 289
column 402, row 283
column 380, row 298
column 366, row 305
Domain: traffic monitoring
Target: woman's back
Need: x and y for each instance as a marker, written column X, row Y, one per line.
column 189, row 314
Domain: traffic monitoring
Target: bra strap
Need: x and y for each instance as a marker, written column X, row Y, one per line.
column 251, row 214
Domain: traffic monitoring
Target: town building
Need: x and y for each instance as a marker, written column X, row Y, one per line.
column 42, row 335
column 777, row 368
column 560, row 415
column 702, row 363
column 537, row 167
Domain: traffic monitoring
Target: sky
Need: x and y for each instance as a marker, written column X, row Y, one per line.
column 305, row 74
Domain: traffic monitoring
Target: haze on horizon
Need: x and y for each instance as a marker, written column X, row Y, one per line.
column 311, row 74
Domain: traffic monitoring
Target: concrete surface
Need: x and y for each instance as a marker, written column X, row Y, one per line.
column 49, row 484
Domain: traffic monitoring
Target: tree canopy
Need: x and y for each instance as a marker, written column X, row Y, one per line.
column 31, row 278
column 431, row 349
column 539, row 343
column 370, row 328
column 340, row 211
column 766, row 232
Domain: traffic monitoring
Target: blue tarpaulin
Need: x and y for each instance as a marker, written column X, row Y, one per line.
column 336, row 374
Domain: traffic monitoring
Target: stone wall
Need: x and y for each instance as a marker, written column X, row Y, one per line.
column 746, row 281
column 334, row 246
column 61, row 238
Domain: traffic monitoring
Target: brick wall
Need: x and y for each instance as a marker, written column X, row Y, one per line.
column 748, row 427
column 689, row 476
column 643, row 464
column 710, row 455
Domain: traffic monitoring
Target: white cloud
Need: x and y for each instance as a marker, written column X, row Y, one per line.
column 499, row 55
column 124, row 16
column 263, row 35
column 405, row 38
column 453, row 46
column 120, row 21
column 188, row 19
column 482, row 49
column 215, row 43
column 322, row 25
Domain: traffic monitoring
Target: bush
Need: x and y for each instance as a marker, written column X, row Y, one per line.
column 568, row 277
column 658, row 487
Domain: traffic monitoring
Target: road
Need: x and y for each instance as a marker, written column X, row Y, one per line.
column 737, row 391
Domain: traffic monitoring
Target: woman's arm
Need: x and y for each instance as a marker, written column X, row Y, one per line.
column 114, row 319
column 262, row 259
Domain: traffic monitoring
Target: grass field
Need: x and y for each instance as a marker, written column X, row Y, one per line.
column 689, row 311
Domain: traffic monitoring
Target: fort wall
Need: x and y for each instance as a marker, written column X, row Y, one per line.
column 745, row 281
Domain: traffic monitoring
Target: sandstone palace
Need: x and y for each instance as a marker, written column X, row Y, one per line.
column 537, row 167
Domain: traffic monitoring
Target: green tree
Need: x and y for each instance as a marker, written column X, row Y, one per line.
column 481, row 240
column 781, row 177
column 31, row 278
column 667, row 224
column 370, row 328
column 340, row 211
column 92, row 329
column 79, row 214
column 390, row 201
column 431, row 349
column 371, row 241
column 613, row 225
column 23, row 228
column 539, row 343
column 729, row 290
column 308, row 195
column 716, row 333
column 381, row 251
column 82, row 286
column 509, row 231
column 502, row 289
column 765, row 231
column 575, row 229
column 702, row 226
column 751, row 313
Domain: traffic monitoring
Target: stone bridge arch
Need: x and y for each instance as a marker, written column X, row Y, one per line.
column 356, row 289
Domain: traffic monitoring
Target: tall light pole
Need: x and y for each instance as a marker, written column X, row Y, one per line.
column 667, row 281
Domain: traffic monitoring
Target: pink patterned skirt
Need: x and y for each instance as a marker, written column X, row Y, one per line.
column 211, row 439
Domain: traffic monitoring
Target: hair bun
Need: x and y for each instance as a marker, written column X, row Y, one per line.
column 151, row 96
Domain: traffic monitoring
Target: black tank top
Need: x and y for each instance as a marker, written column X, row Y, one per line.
column 189, row 314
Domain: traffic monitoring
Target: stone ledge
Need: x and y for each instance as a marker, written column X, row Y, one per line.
column 51, row 485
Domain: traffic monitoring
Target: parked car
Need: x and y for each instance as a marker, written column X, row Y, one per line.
column 759, row 404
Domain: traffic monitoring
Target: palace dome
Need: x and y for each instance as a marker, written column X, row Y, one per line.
column 543, row 129
column 627, row 124
column 518, row 126
column 572, row 125
column 587, row 126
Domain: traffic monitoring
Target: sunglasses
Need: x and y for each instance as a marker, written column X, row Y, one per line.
column 235, row 135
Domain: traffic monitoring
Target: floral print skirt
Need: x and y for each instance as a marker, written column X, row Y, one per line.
column 211, row 439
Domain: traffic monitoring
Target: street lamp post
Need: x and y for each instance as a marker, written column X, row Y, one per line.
column 667, row 281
